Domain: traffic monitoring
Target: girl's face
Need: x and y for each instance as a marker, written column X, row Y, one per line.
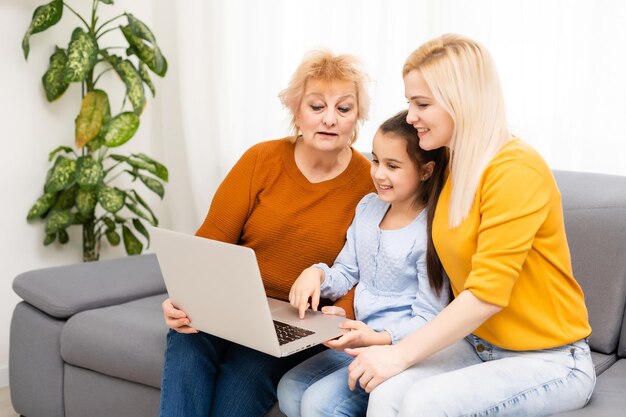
column 395, row 176
column 328, row 114
column 434, row 125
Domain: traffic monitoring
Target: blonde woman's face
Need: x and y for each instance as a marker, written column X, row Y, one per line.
column 328, row 114
column 434, row 125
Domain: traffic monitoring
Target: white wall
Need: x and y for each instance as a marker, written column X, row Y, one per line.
column 31, row 128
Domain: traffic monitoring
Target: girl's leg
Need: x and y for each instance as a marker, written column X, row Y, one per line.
column 331, row 397
column 294, row 383
column 508, row 383
column 387, row 398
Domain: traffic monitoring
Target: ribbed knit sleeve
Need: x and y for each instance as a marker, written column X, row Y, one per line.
column 231, row 203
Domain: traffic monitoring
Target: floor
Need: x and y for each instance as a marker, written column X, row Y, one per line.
column 6, row 410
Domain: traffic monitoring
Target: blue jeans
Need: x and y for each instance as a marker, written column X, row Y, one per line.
column 476, row 378
column 204, row 376
column 319, row 387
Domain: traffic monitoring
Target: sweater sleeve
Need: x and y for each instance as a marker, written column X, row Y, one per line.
column 514, row 203
column 232, row 202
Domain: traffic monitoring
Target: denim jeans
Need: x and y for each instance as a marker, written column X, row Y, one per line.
column 476, row 378
column 204, row 376
column 318, row 387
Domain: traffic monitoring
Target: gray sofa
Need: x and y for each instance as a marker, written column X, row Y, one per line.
column 88, row 339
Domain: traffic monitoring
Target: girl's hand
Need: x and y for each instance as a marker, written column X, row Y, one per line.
column 373, row 365
column 360, row 334
column 306, row 286
column 176, row 319
column 334, row 310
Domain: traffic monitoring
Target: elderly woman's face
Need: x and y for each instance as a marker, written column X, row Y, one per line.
column 328, row 114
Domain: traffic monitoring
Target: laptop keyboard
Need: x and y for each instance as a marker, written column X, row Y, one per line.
column 288, row 333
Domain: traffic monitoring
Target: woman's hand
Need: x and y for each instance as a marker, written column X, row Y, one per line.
column 359, row 335
column 306, row 286
column 374, row 365
column 176, row 319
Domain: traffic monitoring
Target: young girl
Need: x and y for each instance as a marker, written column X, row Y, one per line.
column 513, row 341
column 389, row 256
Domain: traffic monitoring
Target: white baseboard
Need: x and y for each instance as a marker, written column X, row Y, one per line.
column 4, row 376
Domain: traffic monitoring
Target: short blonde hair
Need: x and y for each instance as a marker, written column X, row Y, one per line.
column 463, row 80
column 324, row 65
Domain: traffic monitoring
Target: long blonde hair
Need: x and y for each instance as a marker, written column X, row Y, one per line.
column 463, row 79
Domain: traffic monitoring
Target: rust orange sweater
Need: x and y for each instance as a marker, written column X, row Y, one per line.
column 265, row 203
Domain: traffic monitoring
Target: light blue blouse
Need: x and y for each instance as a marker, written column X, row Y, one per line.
column 389, row 269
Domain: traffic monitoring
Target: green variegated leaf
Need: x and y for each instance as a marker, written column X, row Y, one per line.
column 43, row 17
column 54, row 79
column 80, row 218
column 50, row 237
column 134, row 84
column 152, row 57
column 41, row 206
column 159, row 169
column 106, row 1
column 111, row 199
column 154, row 221
column 131, row 243
column 58, row 220
column 132, row 207
column 86, row 201
column 141, row 31
column 113, row 237
column 142, row 229
column 110, row 224
column 145, row 76
column 94, row 112
column 66, row 199
column 63, row 237
column 89, row 172
column 121, row 129
column 117, row 157
column 65, row 149
column 82, row 54
column 154, row 185
column 119, row 219
column 97, row 143
column 62, row 175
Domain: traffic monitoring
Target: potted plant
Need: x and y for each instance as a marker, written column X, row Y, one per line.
column 82, row 185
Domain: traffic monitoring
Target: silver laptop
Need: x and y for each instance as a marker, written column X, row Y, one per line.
column 219, row 286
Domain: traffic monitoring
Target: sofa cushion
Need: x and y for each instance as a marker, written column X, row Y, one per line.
column 609, row 395
column 66, row 290
column 594, row 207
column 126, row 341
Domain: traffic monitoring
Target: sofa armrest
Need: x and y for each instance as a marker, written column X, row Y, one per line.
column 66, row 290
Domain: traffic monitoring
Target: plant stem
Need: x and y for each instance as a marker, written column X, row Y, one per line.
column 91, row 245
column 107, row 22
column 105, row 32
column 79, row 16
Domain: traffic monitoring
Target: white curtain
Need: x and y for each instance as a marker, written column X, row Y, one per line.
column 562, row 66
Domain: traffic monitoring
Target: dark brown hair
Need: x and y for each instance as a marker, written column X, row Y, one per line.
column 429, row 189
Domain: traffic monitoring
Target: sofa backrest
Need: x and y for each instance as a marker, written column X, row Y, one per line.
column 594, row 207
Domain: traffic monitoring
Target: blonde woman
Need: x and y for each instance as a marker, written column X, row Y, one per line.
column 291, row 200
column 513, row 341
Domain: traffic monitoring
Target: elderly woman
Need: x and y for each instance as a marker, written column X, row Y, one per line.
column 291, row 200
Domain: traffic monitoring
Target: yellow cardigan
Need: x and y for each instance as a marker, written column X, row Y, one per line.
column 511, row 251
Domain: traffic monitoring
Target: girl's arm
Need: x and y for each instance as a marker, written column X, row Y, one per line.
column 375, row 364
column 329, row 282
